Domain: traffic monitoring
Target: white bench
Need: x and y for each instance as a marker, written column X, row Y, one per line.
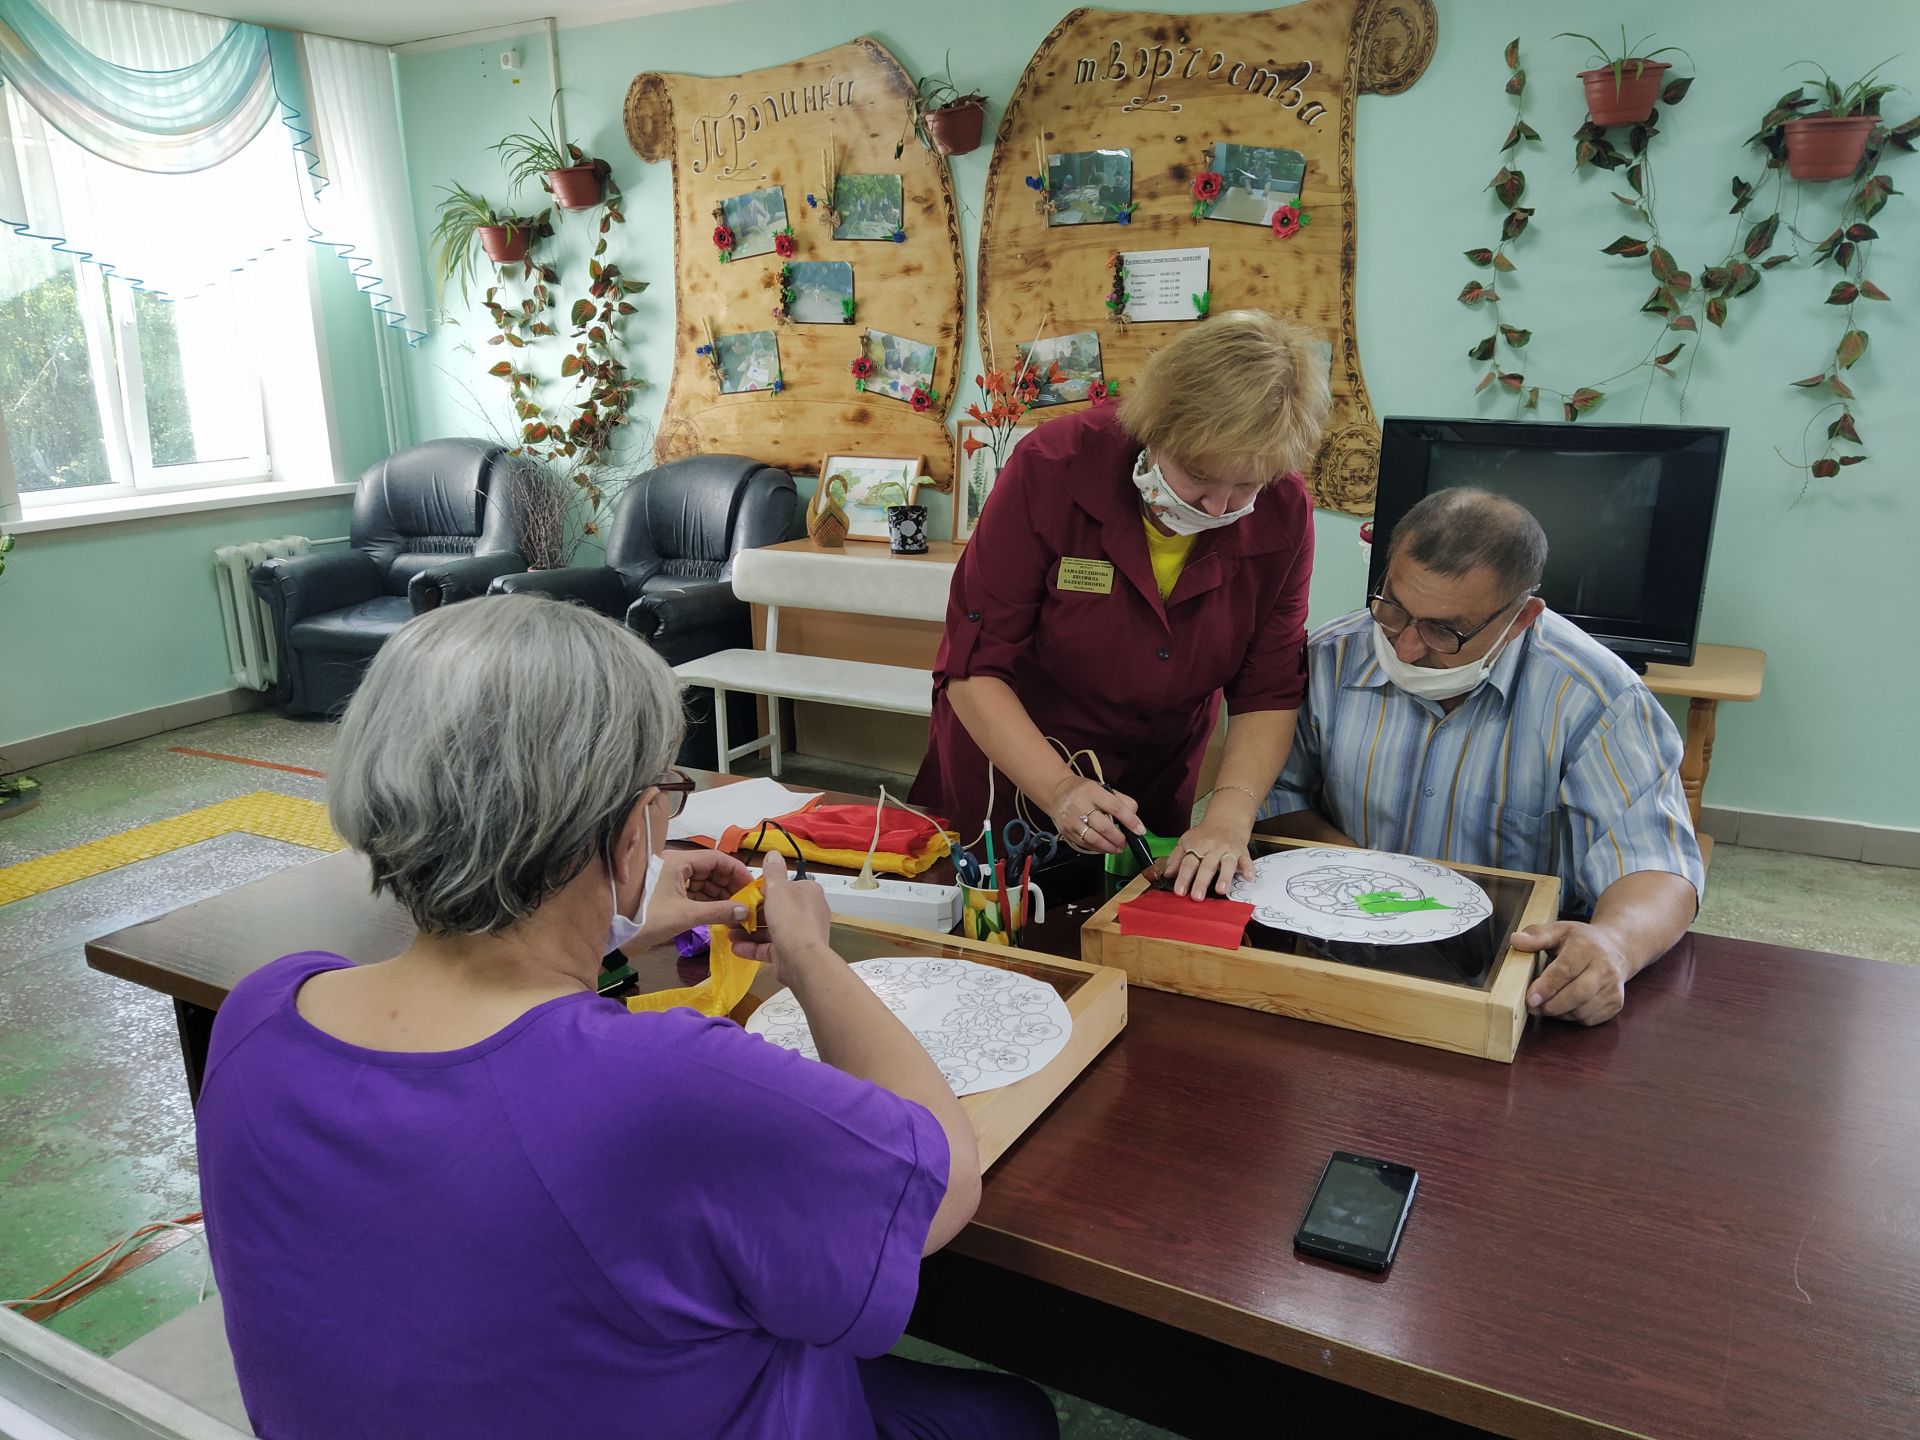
column 846, row 581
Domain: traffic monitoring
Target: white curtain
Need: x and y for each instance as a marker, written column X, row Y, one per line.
column 176, row 234
column 366, row 210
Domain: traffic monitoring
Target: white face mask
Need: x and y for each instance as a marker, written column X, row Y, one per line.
column 1173, row 512
column 1431, row 684
column 620, row 929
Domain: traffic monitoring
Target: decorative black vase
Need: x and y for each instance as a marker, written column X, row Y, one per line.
column 907, row 529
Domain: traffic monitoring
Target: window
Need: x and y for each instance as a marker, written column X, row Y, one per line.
column 106, row 391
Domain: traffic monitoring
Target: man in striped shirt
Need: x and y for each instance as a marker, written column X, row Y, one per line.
column 1459, row 719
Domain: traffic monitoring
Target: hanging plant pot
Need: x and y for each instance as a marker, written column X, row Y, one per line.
column 955, row 129
column 575, row 188
column 1629, row 102
column 1827, row 147
column 505, row 244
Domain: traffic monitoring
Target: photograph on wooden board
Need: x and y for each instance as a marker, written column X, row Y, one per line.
column 1256, row 180
column 1166, row 284
column 870, row 207
column 749, row 360
column 1089, row 187
column 984, row 451
column 1068, row 366
column 822, row 292
column 755, row 218
column 865, row 485
column 900, row 365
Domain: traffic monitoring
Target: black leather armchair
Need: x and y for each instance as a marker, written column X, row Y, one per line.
column 669, row 568
column 431, row 525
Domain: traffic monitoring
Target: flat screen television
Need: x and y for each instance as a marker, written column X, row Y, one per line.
column 1628, row 511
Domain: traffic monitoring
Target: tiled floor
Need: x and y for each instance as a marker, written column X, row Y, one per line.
column 95, row 1132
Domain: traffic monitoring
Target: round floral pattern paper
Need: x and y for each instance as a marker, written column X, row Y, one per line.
column 1362, row 896
column 984, row 1027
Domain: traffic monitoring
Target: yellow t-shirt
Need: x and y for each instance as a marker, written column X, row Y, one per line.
column 1169, row 556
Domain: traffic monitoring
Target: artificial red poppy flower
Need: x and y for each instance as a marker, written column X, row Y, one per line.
column 722, row 238
column 1286, row 222
column 920, row 399
column 1097, row 391
column 861, row 368
column 785, row 246
column 1207, row 185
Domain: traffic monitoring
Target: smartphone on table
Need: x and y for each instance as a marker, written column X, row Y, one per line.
column 1358, row 1211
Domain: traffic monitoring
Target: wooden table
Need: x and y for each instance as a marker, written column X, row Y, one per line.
column 1718, row 672
column 1702, row 1219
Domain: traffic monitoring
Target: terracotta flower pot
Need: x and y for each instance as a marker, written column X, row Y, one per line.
column 1827, row 147
column 505, row 244
column 955, row 129
column 1633, row 100
column 575, row 188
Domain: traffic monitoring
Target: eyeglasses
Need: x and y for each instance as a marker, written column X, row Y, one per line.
column 1392, row 618
column 679, row 787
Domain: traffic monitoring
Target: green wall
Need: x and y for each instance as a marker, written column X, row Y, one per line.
column 1820, row 579
column 106, row 620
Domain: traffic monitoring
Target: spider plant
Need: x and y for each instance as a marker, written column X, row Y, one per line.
column 532, row 152
column 462, row 214
column 1862, row 97
column 1629, row 54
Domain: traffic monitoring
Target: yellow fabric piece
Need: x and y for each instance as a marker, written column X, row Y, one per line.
column 892, row 862
column 1169, row 556
column 289, row 818
column 729, row 976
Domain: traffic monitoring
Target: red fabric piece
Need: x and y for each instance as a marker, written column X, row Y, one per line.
column 850, row 827
column 1163, row 915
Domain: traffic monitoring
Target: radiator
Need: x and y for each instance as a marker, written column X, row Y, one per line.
column 251, row 653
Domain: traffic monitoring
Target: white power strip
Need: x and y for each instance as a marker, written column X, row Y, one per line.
column 904, row 902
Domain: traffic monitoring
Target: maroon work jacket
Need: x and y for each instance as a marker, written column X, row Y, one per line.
column 1133, row 679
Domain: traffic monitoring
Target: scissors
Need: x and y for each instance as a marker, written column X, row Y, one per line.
column 1020, row 842
column 972, row 871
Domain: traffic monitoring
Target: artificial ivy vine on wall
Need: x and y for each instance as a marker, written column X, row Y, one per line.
column 1677, row 300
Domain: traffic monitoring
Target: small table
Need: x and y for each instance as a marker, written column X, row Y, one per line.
column 1718, row 672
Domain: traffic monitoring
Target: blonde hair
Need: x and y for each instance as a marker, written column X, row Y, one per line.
column 1242, row 387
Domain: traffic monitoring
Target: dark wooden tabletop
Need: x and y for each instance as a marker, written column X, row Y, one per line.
column 1702, row 1219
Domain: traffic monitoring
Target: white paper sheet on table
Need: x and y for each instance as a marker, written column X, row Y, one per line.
column 746, row 803
column 984, row 1027
column 1321, row 893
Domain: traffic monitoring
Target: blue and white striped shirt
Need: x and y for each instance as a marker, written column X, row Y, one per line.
column 1562, row 763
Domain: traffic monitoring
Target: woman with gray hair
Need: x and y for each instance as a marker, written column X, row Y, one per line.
column 458, row 1193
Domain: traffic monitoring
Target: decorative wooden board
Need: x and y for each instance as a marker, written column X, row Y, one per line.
column 843, row 109
column 1485, row 1020
column 1167, row 88
column 1096, row 998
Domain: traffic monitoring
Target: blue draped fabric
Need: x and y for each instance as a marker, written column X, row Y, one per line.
column 162, row 121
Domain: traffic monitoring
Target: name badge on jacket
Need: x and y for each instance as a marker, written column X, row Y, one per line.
column 1093, row 577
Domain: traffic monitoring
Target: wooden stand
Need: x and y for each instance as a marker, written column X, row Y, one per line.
column 1486, row 1021
column 1096, row 998
column 1718, row 672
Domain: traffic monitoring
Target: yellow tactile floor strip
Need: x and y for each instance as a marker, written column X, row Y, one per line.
column 289, row 818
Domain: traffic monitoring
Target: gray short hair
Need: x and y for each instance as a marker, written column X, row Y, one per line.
column 1457, row 530
column 494, row 748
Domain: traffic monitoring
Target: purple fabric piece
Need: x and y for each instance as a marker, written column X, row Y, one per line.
column 591, row 1223
column 692, row 944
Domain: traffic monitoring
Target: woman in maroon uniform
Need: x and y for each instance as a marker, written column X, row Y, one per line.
column 1136, row 563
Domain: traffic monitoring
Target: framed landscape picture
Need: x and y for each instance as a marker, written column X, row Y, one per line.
column 975, row 469
column 872, row 483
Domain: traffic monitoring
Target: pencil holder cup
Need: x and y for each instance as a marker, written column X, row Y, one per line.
column 980, row 916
